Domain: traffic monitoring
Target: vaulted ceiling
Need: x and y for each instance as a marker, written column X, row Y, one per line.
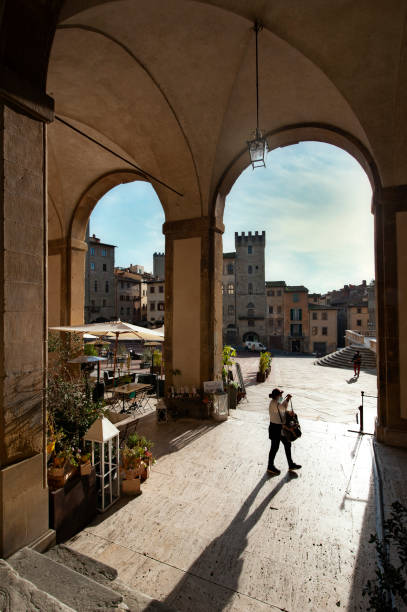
column 171, row 87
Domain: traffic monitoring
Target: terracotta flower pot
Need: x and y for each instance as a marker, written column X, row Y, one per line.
column 131, row 486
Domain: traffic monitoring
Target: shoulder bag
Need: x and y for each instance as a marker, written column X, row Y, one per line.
column 291, row 427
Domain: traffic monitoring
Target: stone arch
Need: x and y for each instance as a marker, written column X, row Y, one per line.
column 291, row 135
column 93, row 194
column 251, row 336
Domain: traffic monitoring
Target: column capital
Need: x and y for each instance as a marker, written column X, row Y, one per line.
column 392, row 198
column 189, row 228
column 61, row 244
column 22, row 96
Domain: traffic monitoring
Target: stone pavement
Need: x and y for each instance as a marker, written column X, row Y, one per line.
column 212, row 531
column 326, row 394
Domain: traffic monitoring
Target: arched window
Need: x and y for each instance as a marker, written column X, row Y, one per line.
column 231, row 289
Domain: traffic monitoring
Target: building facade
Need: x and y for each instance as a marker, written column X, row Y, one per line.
column 275, row 321
column 131, row 295
column 230, row 329
column 358, row 317
column 296, row 320
column 155, row 302
column 271, row 311
column 323, row 324
column 99, row 281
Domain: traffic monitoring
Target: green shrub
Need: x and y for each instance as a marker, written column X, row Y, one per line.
column 89, row 349
column 264, row 362
column 390, row 578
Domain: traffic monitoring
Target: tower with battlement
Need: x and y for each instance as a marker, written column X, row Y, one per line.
column 159, row 265
column 250, row 286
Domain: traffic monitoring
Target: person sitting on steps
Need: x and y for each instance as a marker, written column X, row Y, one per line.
column 277, row 412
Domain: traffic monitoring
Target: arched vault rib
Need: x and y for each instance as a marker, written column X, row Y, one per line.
column 153, row 80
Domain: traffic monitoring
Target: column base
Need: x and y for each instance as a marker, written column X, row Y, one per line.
column 45, row 541
column 23, row 505
column 391, row 436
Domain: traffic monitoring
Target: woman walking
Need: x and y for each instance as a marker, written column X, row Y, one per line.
column 277, row 412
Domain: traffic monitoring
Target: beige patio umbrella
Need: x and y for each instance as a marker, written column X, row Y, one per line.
column 113, row 329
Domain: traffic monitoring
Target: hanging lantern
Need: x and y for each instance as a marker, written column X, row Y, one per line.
column 257, row 150
column 104, row 437
column 258, row 145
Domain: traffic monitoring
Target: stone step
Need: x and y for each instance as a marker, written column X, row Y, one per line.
column 73, row 589
column 343, row 358
column 106, row 575
column 95, row 570
column 18, row 593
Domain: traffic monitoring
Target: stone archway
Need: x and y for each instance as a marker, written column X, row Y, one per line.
column 391, row 425
column 66, row 256
column 174, row 91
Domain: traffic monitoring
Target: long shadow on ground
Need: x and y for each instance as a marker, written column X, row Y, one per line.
column 213, row 579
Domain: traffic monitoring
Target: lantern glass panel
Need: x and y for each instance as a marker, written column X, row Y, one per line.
column 257, row 150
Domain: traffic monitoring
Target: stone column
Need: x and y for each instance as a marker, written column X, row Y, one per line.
column 193, row 301
column 23, row 329
column 66, row 288
column 390, row 208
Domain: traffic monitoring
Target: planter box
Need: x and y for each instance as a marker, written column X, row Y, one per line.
column 131, row 486
column 73, row 506
column 261, row 377
column 188, row 407
column 58, row 477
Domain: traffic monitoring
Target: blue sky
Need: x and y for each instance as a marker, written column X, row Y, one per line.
column 313, row 201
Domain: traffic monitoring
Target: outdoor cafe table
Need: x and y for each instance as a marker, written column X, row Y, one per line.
column 138, row 389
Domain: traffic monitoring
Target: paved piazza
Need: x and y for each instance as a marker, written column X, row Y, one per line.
column 212, row 531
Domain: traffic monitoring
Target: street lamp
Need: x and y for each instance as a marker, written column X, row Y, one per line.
column 258, row 145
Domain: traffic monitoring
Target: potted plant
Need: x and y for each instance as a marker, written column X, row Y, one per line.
column 143, row 448
column 264, row 366
column 83, row 460
column 157, row 362
column 132, row 466
column 227, row 359
column 62, row 467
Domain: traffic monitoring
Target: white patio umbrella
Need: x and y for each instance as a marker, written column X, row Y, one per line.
column 113, row 329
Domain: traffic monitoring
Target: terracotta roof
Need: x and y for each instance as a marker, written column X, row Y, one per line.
column 296, row 289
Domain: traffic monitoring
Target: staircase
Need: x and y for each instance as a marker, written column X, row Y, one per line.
column 343, row 359
column 62, row 580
